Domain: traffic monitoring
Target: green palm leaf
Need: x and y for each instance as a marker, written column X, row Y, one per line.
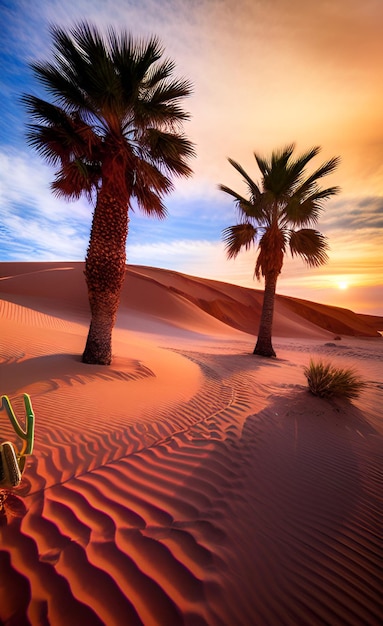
column 170, row 150
column 252, row 186
column 306, row 211
column 74, row 179
column 310, row 245
column 238, row 237
column 253, row 209
column 110, row 93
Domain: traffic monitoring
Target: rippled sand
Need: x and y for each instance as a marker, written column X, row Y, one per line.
column 189, row 483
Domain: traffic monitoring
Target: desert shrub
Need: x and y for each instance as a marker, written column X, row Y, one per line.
column 325, row 380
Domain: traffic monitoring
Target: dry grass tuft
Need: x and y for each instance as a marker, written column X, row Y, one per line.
column 325, row 380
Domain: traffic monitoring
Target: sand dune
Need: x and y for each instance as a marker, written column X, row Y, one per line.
column 177, row 299
column 189, row 483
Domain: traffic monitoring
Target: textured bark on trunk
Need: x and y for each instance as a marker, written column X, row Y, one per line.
column 105, row 268
column 264, row 346
column 98, row 348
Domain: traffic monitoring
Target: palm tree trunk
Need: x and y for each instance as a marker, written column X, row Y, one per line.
column 105, row 268
column 264, row 346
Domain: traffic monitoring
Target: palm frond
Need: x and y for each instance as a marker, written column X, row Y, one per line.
column 74, row 179
column 280, row 158
column 86, row 36
column 324, row 194
column 252, row 210
column 169, row 150
column 68, row 53
column 276, row 174
column 159, row 73
column 71, row 77
column 98, row 75
column 162, row 116
column 239, row 200
column 93, row 73
column 59, row 137
column 122, row 47
column 147, row 54
column 326, row 168
column 150, row 202
column 166, row 92
column 310, row 245
column 148, row 176
column 44, row 112
column 55, row 145
column 298, row 213
column 112, row 98
column 252, row 186
column 237, row 237
column 306, row 212
column 297, row 166
column 60, row 86
column 310, row 184
column 136, row 64
column 262, row 163
column 160, row 105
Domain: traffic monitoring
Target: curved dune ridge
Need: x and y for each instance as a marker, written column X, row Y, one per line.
column 189, row 483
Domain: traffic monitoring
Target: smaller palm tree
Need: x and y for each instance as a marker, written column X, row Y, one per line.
column 277, row 216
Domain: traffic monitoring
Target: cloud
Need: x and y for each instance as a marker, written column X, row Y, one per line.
column 34, row 224
column 354, row 213
column 37, row 240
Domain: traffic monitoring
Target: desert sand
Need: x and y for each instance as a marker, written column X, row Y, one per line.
column 189, row 483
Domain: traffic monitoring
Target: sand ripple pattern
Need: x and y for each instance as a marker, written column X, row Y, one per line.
column 236, row 508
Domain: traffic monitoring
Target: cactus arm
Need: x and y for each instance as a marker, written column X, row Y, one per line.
column 6, row 404
column 26, row 435
column 30, row 424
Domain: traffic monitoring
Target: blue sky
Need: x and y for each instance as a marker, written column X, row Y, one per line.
column 265, row 74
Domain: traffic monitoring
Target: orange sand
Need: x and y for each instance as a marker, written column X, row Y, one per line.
column 189, row 483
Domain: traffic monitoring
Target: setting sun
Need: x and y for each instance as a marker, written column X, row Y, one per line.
column 342, row 284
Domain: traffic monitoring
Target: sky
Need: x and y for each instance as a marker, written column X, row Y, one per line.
column 265, row 73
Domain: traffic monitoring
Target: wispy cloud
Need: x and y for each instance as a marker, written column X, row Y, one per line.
column 34, row 224
column 355, row 213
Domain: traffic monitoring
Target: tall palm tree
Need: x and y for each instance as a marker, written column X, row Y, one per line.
column 113, row 130
column 276, row 215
